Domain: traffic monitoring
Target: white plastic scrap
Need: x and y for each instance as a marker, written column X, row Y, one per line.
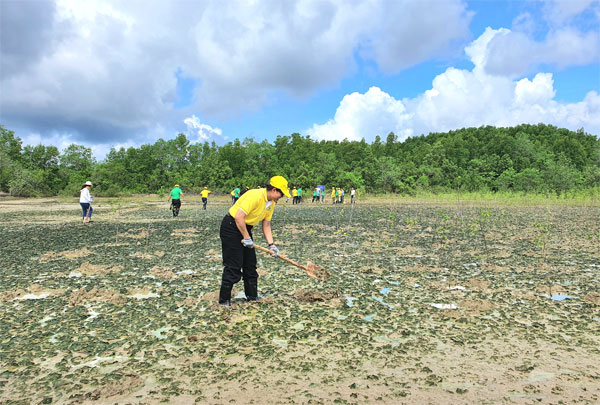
column 443, row 306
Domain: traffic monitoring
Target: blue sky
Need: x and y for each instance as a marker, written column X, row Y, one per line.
column 111, row 73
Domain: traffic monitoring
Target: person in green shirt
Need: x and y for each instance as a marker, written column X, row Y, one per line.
column 175, row 199
column 299, row 195
column 236, row 194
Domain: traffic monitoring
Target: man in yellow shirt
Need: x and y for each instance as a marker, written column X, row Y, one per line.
column 239, row 256
column 295, row 195
column 204, row 193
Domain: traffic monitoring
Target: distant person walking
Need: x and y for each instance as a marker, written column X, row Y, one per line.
column 323, row 195
column 294, row 196
column 353, row 196
column 175, row 198
column 299, row 195
column 315, row 195
column 333, row 195
column 236, row 194
column 85, row 200
column 239, row 257
column 342, row 195
column 204, row 193
column 232, row 197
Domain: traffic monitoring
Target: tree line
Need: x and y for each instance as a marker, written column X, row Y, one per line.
column 525, row 158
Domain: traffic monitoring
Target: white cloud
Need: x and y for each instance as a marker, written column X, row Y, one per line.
column 515, row 53
column 558, row 12
column 572, row 38
column 200, row 132
column 61, row 141
column 538, row 91
column 106, row 69
column 460, row 98
column 364, row 115
column 408, row 32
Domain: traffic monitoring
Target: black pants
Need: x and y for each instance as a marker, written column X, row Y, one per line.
column 175, row 206
column 238, row 261
column 204, row 201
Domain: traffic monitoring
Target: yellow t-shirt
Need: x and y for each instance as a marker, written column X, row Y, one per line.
column 294, row 193
column 255, row 205
column 204, row 193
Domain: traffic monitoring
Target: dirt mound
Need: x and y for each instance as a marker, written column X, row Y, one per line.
column 141, row 235
column 186, row 242
column 34, row 291
column 476, row 305
column 67, row 254
column 184, row 232
column 148, row 256
column 82, row 297
column 189, row 302
column 213, row 255
column 10, row 295
column 310, row 296
column 95, row 270
column 551, row 289
column 592, row 298
column 407, row 251
column 163, row 273
column 317, row 272
column 124, row 386
column 478, row 284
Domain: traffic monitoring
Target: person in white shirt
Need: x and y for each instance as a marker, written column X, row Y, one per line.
column 353, row 195
column 85, row 200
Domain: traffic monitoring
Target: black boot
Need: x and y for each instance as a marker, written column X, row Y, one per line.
column 225, row 294
column 251, row 289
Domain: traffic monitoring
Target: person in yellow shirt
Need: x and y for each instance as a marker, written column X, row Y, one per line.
column 204, row 193
column 295, row 196
column 239, row 257
column 332, row 195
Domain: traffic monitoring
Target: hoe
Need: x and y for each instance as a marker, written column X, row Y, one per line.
column 311, row 269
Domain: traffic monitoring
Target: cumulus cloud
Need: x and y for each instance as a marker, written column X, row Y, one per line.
column 559, row 12
column 515, row 54
column 104, row 70
column 364, row 115
column 460, row 98
column 522, row 50
column 200, row 132
column 410, row 32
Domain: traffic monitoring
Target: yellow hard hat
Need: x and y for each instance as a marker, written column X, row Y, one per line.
column 281, row 183
column 176, row 185
column 206, row 188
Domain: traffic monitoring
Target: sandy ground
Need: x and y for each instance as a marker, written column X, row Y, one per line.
column 420, row 308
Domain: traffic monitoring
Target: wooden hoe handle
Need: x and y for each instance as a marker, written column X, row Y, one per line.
column 282, row 257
